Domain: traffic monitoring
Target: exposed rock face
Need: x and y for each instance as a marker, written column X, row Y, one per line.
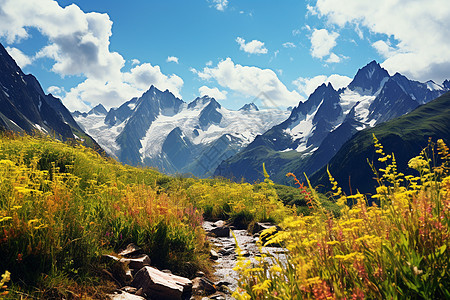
column 131, row 270
column 161, row 285
column 24, row 107
column 160, row 130
column 319, row 127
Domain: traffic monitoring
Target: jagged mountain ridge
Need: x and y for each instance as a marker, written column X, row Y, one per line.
column 24, row 107
column 162, row 131
column 318, row 127
column 405, row 136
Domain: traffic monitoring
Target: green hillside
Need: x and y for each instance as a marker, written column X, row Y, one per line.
column 405, row 136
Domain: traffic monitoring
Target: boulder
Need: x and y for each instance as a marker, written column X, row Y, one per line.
column 117, row 270
column 223, row 231
column 160, row 285
column 202, row 286
column 138, row 262
column 260, row 226
column 219, row 223
column 131, row 251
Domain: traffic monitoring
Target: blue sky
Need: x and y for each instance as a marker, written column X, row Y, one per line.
column 108, row 51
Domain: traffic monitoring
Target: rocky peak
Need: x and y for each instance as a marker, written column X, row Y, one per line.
column 200, row 101
column 210, row 114
column 249, row 107
column 98, row 110
column 446, row 84
column 369, row 79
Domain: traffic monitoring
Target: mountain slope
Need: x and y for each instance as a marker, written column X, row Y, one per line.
column 405, row 137
column 24, row 107
column 162, row 131
column 318, row 127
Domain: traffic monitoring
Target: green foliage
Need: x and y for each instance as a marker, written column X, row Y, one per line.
column 241, row 203
column 405, row 136
column 396, row 249
column 62, row 207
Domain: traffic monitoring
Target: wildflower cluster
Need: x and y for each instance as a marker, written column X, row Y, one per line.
column 397, row 247
column 62, row 207
column 3, row 286
column 241, row 203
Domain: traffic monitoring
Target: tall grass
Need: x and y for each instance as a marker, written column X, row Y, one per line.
column 395, row 248
column 62, row 207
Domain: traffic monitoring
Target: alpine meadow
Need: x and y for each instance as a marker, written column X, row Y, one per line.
column 226, row 150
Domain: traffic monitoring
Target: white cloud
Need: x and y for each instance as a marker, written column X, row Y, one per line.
column 289, row 45
column 56, row 91
column 220, row 4
column 384, row 49
column 144, row 75
column 322, row 42
column 209, row 63
column 172, row 59
column 253, row 47
column 251, row 82
column 333, row 58
column 420, row 31
column 21, row 58
column 213, row 92
column 307, row 86
column 135, row 62
column 78, row 43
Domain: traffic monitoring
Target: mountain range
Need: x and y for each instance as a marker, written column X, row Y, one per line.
column 405, row 137
column 318, row 127
column 160, row 130
column 24, row 107
column 204, row 139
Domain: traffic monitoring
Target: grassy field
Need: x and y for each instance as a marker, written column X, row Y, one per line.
column 63, row 206
column 397, row 248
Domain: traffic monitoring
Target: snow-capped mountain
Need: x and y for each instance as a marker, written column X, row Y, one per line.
column 24, row 107
column 318, row 127
column 160, row 130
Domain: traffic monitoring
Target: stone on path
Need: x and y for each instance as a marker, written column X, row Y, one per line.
column 125, row 296
column 160, row 285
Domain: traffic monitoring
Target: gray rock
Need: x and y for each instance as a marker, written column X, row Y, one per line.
column 260, row 226
column 227, row 251
column 219, row 224
column 213, row 255
column 223, row 231
column 138, row 262
column 129, row 289
column 217, row 297
column 117, row 270
column 130, row 251
column 199, row 274
column 124, row 296
column 160, row 285
column 202, row 286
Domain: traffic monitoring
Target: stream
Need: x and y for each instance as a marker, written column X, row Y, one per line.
column 227, row 258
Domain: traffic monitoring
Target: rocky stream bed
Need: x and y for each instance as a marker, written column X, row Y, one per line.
column 132, row 270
